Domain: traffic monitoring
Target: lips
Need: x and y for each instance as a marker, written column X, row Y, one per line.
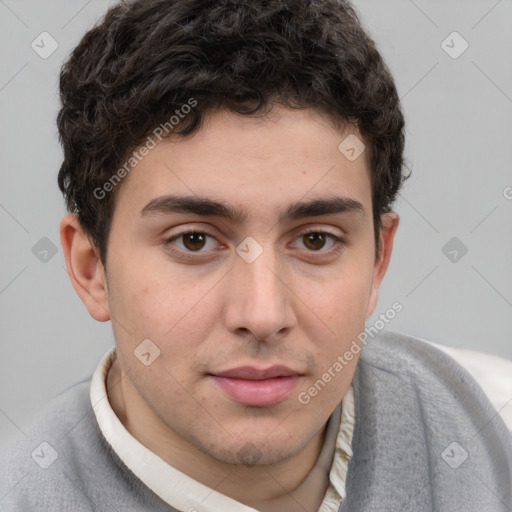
column 256, row 387
column 251, row 373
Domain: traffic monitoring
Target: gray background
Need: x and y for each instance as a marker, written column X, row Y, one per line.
column 459, row 128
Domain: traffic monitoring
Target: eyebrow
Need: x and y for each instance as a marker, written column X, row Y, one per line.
column 205, row 206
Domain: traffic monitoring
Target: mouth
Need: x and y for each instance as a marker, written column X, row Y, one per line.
column 257, row 387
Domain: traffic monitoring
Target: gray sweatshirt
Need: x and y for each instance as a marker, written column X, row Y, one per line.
column 426, row 438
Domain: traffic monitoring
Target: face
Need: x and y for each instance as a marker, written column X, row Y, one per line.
column 247, row 296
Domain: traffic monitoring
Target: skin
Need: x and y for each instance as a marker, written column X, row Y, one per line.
column 300, row 303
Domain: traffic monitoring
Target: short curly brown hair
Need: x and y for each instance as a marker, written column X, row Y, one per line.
column 147, row 58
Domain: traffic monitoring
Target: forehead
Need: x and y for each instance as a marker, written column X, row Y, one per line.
column 262, row 164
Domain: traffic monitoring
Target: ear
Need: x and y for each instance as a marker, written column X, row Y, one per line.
column 84, row 267
column 387, row 234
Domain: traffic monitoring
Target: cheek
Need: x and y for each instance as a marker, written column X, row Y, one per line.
column 342, row 301
column 341, row 304
column 147, row 296
column 170, row 309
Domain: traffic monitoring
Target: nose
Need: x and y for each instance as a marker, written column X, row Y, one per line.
column 259, row 300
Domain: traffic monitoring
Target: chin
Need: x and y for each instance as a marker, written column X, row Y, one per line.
column 254, row 453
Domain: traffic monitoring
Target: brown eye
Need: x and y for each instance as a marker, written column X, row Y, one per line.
column 314, row 241
column 194, row 241
column 322, row 242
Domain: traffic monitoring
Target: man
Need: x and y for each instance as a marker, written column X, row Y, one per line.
column 230, row 170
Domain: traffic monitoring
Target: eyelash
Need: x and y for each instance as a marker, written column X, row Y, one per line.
column 338, row 246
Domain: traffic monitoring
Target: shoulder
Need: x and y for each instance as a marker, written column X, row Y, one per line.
column 492, row 373
column 65, row 463
column 40, row 459
column 417, row 407
column 488, row 376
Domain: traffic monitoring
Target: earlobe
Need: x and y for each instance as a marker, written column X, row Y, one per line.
column 390, row 223
column 84, row 268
